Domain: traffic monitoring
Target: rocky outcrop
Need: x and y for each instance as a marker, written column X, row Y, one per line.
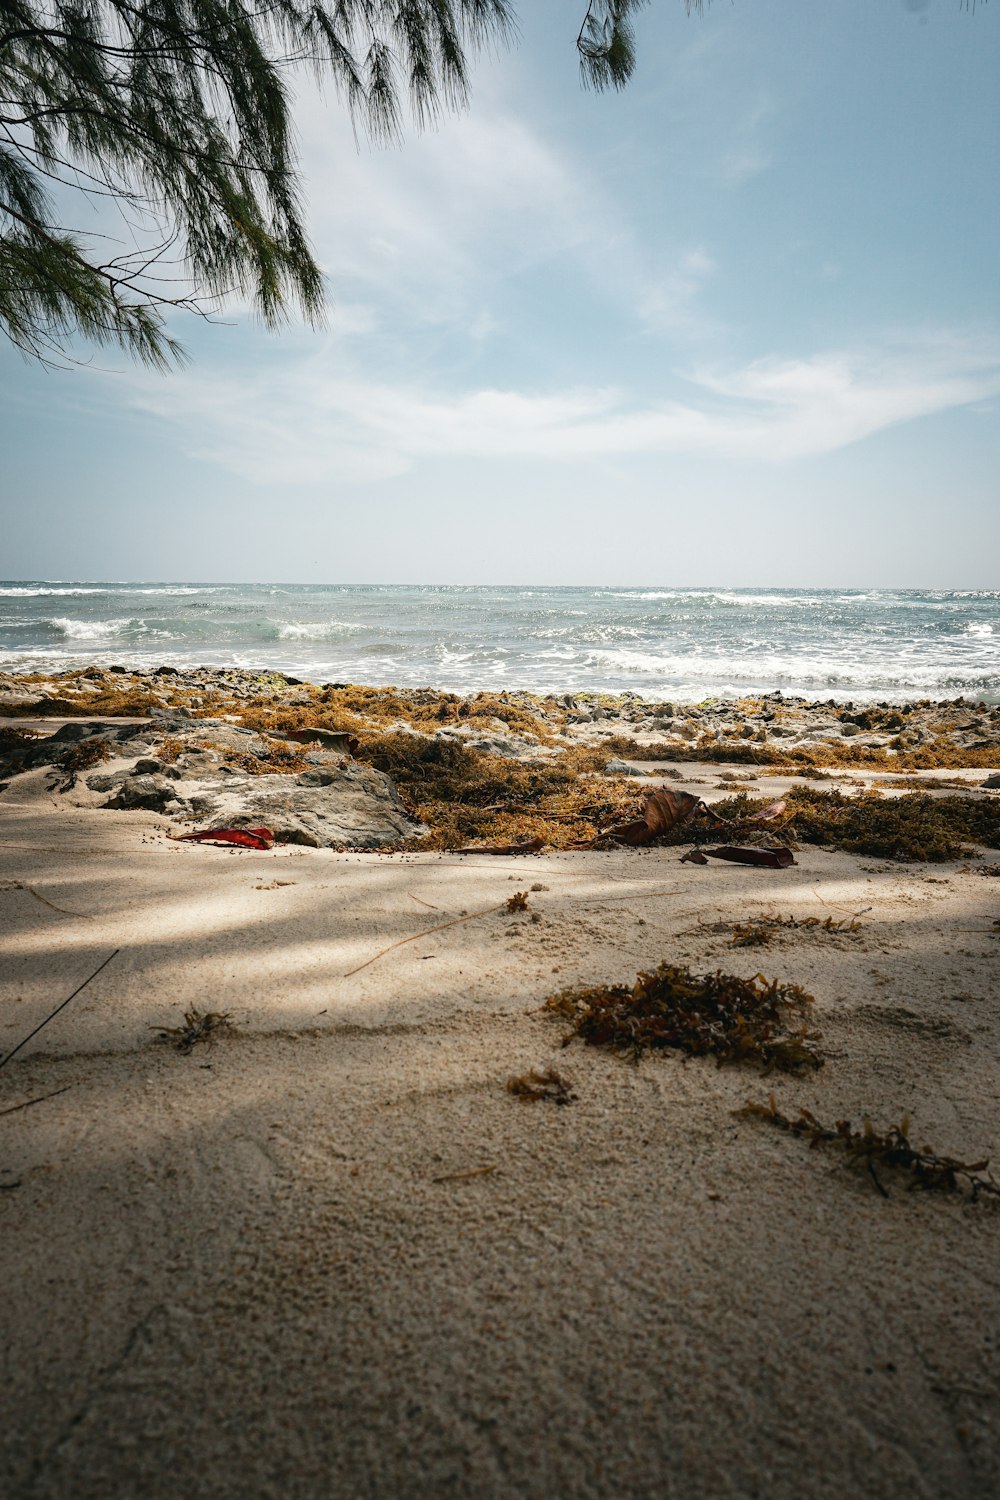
column 210, row 773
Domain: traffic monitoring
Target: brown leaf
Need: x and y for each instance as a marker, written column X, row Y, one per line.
column 772, row 859
column 664, row 809
column 766, row 814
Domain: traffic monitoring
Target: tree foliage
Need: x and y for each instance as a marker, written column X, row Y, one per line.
column 178, row 112
column 606, row 42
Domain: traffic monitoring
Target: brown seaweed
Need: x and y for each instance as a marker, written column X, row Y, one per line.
column 545, row 1084
column 199, row 1026
column 758, row 933
column 734, row 1019
column 866, row 1149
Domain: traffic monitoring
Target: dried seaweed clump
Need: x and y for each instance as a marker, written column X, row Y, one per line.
column 758, row 933
column 517, row 902
column 866, row 1149
column 468, row 796
column 199, row 1026
column 736, row 1020
column 545, row 1083
column 915, row 827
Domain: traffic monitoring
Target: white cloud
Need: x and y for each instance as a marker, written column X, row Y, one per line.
column 434, row 232
column 316, row 425
column 748, row 153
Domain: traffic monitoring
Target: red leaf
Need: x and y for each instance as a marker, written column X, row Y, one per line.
column 247, row 838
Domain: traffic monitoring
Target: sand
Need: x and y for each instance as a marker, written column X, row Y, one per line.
column 261, row 1269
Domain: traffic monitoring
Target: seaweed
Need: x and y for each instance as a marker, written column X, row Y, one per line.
column 734, row 1019
column 467, row 796
column 911, row 827
column 867, row 1149
column 758, row 933
column 271, row 759
column 517, row 902
column 914, row 827
column 536, row 1085
column 199, row 1026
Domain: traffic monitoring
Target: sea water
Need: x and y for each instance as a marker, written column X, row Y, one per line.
column 661, row 642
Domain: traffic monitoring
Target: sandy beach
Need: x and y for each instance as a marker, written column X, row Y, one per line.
column 328, row 1253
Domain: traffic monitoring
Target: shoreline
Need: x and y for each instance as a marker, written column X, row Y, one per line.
column 329, row 1251
column 830, row 695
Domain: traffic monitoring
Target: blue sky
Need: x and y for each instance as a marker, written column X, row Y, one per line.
column 738, row 325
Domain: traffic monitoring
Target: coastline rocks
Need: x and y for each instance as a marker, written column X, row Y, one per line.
column 221, row 774
column 350, row 806
column 621, row 768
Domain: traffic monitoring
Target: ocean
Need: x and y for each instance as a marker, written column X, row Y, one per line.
column 681, row 643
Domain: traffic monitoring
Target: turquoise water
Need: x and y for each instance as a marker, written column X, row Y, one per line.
column 660, row 642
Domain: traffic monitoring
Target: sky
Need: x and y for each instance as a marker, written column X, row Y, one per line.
column 737, row 325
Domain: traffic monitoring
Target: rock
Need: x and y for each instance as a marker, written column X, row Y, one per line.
column 621, row 768
column 351, row 806
column 151, row 792
column 992, row 782
column 331, row 805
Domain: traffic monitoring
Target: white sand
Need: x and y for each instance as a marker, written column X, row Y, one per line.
column 233, row 1273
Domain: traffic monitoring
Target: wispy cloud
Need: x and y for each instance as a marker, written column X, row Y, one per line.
column 749, row 151
column 315, row 425
column 439, row 233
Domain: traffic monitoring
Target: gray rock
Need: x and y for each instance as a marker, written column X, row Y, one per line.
column 350, row 806
column 151, row 792
column 992, row 782
column 621, row 768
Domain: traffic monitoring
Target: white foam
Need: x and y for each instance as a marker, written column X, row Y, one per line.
column 93, row 630
column 328, row 630
column 44, row 593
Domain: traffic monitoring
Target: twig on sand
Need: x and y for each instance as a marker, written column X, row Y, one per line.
column 38, row 1099
column 426, row 933
column 19, row 885
column 83, row 986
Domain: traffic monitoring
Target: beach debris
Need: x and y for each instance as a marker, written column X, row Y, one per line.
column 758, row 933
column 38, row 1099
column 330, row 739
column 771, row 859
column 517, row 902
column 20, row 885
column 467, row 1176
column 535, row 1085
column 734, row 1019
column 246, row 838
column 51, row 1017
column 199, row 1026
column 417, row 936
column 865, row 1149
column 910, row 827
column 526, row 846
column 663, row 810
